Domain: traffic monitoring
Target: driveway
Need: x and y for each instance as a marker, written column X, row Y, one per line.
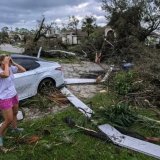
column 83, row 70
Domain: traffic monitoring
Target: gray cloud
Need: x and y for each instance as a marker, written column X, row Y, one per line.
column 24, row 13
column 37, row 4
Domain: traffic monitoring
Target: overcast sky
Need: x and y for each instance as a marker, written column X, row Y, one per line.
column 25, row 13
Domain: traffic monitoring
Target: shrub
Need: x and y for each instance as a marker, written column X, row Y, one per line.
column 123, row 82
column 120, row 114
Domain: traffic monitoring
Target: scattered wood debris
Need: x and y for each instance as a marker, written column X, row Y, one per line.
column 27, row 139
column 56, row 96
column 153, row 139
column 54, row 52
column 33, row 139
column 87, row 131
column 6, row 150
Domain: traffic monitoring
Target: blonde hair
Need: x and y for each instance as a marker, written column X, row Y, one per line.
column 2, row 56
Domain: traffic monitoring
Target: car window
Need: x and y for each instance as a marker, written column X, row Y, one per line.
column 28, row 64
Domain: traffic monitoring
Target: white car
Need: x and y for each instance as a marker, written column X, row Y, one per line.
column 40, row 74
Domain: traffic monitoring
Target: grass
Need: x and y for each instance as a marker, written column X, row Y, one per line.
column 64, row 143
column 4, row 52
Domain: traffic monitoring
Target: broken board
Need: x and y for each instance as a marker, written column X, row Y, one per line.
column 130, row 142
column 77, row 103
column 108, row 73
column 79, row 81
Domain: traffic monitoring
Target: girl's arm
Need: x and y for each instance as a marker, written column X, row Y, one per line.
column 20, row 68
column 5, row 73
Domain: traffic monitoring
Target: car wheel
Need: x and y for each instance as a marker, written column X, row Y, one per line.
column 45, row 85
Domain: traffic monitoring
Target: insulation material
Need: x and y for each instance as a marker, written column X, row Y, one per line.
column 130, row 142
column 77, row 103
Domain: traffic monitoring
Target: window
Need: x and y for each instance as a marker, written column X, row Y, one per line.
column 27, row 63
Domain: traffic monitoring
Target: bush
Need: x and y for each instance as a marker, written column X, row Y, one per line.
column 120, row 114
column 123, row 82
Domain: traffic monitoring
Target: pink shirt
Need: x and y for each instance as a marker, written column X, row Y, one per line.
column 7, row 87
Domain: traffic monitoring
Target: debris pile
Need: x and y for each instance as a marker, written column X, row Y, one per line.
column 56, row 96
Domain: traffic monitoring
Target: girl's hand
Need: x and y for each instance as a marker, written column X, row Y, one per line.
column 12, row 62
column 6, row 60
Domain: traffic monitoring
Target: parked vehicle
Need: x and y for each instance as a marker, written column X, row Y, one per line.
column 40, row 74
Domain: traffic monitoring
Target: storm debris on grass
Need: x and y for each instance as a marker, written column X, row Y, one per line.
column 125, row 115
column 87, row 131
column 57, row 97
column 25, row 139
column 6, row 150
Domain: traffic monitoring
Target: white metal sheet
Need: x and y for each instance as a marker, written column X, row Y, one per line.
column 77, row 103
column 130, row 142
column 79, row 81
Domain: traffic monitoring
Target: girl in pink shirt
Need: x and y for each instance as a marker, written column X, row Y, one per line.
column 8, row 95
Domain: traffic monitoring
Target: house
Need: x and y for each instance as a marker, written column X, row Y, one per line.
column 71, row 38
column 53, row 33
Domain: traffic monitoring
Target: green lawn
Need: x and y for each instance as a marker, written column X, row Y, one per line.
column 60, row 142
column 4, row 52
column 63, row 143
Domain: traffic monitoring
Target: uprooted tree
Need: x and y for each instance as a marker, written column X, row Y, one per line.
column 133, row 21
column 44, row 36
column 138, row 18
column 43, row 29
column 73, row 23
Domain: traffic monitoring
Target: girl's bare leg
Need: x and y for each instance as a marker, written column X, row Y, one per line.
column 8, row 118
column 15, row 111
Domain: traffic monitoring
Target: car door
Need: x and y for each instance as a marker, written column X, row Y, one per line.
column 25, row 82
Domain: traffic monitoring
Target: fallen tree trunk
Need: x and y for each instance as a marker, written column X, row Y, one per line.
column 61, row 51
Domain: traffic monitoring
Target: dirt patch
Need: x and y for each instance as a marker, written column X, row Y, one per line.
column 35, row 113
